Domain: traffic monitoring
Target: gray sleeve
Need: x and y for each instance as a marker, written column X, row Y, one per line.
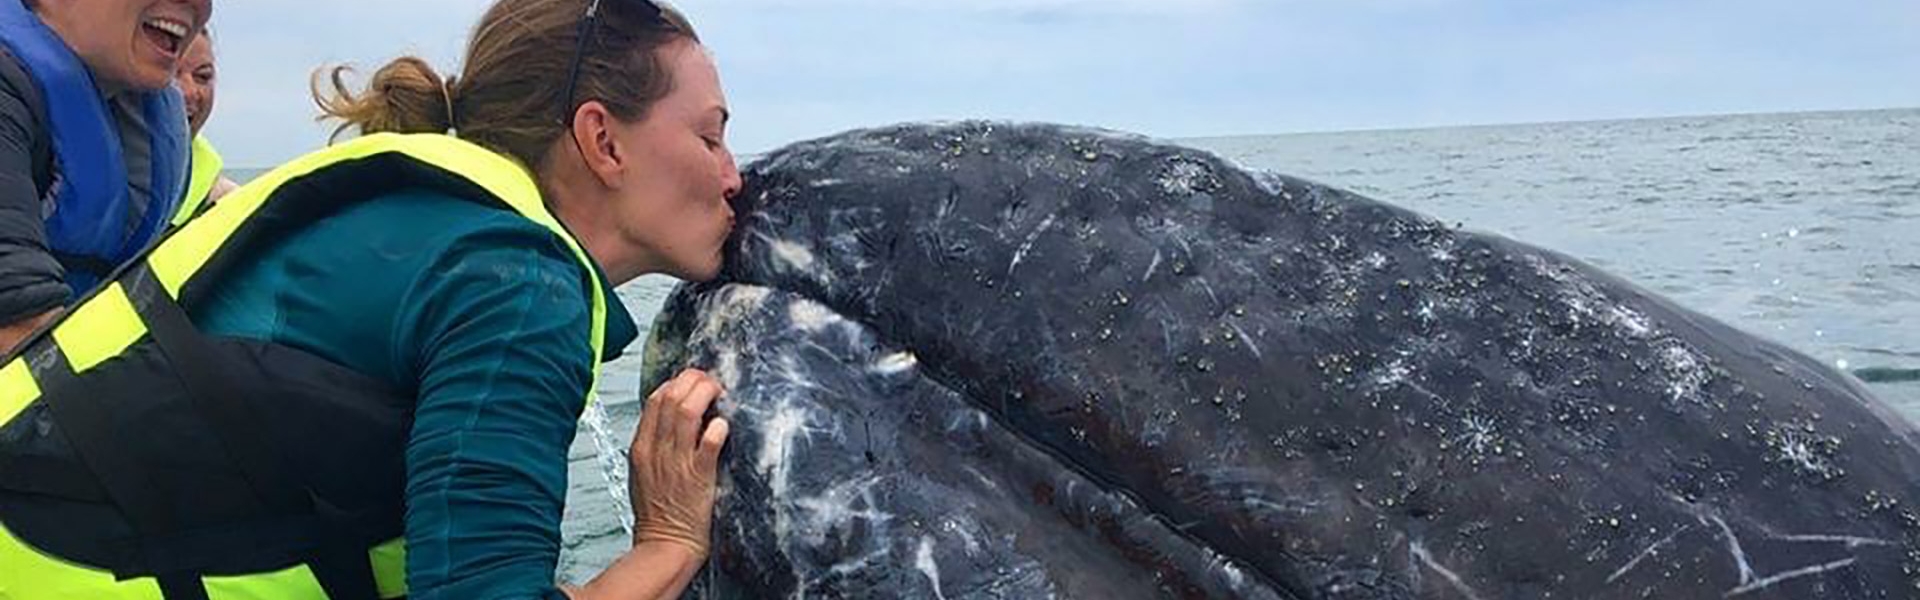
column 136, row 153
column 31, row 281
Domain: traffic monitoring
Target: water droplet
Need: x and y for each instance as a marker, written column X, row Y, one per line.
column 1841, row 364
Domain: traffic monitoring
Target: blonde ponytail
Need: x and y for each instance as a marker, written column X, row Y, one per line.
column 406, row 96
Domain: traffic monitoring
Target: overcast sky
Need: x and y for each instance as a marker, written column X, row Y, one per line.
column 796, row 69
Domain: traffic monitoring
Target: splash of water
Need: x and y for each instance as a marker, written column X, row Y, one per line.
column 612, row 457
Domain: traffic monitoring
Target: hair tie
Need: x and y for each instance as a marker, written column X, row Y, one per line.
column 446, row 93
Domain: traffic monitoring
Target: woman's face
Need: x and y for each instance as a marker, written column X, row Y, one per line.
column 127, row 44
column 196, row 79
column 673, row 203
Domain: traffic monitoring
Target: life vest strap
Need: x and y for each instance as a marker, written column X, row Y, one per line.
column 216, row 397
column 181, row 587
column 88, row 427
column 340, row 565
column 345, row 572
column 166, row 550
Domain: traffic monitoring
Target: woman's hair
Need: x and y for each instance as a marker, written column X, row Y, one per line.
column 508, row 97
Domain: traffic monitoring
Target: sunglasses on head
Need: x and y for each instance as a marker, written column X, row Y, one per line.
column 585, row 35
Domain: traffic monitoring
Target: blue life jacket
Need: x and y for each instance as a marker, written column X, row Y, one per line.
column 95, row 225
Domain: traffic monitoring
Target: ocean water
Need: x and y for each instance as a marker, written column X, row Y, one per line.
column 1804, row 228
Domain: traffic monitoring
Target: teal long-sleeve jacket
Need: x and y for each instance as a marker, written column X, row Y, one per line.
column 480, row 314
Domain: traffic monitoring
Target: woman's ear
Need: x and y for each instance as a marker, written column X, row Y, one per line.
column 599, row 147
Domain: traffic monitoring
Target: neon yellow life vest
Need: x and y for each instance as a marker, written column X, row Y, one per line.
column 207, row 166
column 139, row 458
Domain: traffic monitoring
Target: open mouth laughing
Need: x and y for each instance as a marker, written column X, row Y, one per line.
column 167, row 34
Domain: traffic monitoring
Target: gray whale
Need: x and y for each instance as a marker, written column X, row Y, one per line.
column 1018, row 360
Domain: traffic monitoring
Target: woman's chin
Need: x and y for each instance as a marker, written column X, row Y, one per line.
column 701, row 270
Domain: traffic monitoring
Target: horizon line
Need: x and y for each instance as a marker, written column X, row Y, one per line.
column 1467, row 125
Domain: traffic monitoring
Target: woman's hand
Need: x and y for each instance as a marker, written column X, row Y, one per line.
column 675, row 458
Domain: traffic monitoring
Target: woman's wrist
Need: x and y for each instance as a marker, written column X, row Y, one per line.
column 650, row 569
column 665, row 553
column 680, row 536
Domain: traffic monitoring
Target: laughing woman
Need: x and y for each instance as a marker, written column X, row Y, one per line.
column 93, row 144
column 197, row 78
